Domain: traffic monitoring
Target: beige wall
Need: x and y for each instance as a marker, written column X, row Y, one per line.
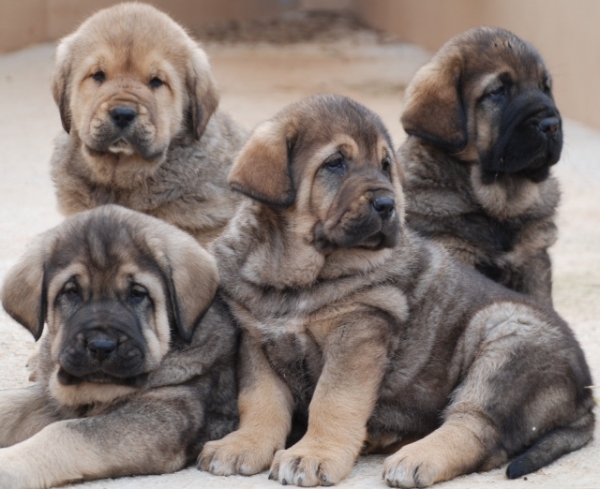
column 566, row 32
column 22, row 22
column 25, row 22
column 64, row 15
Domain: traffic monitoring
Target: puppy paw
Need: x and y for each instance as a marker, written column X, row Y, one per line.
column 410, row 467
column 236, row 454
column 308, row 465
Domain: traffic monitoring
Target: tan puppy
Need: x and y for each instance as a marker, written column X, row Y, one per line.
column 483, row 133
column 138, row 103
column 376, row 335
column 136, row 370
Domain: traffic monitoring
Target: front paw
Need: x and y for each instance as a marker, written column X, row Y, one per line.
column 236, row 454
column 410, row 467
column 311, row 464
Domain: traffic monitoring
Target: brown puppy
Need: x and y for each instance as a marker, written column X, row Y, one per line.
column 375, row 334
column 483, row 133
column 137, row 101
column 136, row 370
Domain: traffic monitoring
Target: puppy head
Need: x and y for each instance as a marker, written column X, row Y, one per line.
column 113, row 287
column 326, row 166
column 128, row 81
column 486, row 96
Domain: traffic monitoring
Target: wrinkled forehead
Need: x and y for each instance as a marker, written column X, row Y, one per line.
column 128, row 49
column 353, row 149
column 137, row 60
column 503, row 54
column 102, row 247
column 357, row 133
column 101, row 282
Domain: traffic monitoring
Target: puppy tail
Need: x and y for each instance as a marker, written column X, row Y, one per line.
column 553, row 445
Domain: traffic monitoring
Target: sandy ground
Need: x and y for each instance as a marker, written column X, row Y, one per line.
column 256, row 80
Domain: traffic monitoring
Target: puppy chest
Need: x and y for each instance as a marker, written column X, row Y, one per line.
column 292, row 351
column 298, row 360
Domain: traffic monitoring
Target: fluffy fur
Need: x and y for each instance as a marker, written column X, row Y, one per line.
column 483, row 133
column 372, row 334
column 136, row 369
column 139, row 107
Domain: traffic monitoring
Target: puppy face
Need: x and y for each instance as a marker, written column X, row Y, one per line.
column 331, row 175
column 487, row 97
column 111, row 284
column 128, row 81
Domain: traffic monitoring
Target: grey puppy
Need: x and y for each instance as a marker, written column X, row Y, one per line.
column 139, row 104
column 483, row 133
column 377, row 336
column 136, row 370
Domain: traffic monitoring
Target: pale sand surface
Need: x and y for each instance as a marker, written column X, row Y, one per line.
column 256, row 80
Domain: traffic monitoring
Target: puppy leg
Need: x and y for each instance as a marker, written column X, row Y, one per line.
column 355, row 361
column 24, row 412
column 524, row 390
column 265, row 405
column 147, row 436
column 537, row 278
column 452, row 450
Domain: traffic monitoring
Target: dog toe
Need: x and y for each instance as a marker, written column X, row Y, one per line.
column 407, row 469
column 309, row 467
column 233, row 455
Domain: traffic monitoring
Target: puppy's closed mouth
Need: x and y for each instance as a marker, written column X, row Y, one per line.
column 377, row 242
column 65, row 378
column 125, row 148
column 121, row 147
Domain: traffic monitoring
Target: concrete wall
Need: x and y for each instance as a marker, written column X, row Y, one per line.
column 25, row 22
column 565, row 31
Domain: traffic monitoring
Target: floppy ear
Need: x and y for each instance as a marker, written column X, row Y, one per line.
column 202, row 92
column 192, row 280
column 24, row 295
column 60, row 82
column 433, row 103
column 262, row 168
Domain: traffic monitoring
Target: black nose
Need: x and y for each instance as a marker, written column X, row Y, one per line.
column 101, row 348
column 549, row 125
column 384, row 206
column 122, row 116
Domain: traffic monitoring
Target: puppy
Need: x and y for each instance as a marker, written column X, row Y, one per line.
column 136, row 370
column 375, row 334
column 483, row 133
column 138, row 104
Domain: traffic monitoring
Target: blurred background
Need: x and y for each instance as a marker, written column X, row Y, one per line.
column 565, row 31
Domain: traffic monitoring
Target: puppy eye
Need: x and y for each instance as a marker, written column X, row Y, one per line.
column 336, row 165
column 386, row 165
column 71, row 291
column 99, row 76
column 137, row 293
column 496, row 95
column 156, row 82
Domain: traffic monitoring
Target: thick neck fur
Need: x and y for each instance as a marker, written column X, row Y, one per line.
column 251, row 248
column 264, row 253
column 275, row 249
column 132, row 172
column 504, row 199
